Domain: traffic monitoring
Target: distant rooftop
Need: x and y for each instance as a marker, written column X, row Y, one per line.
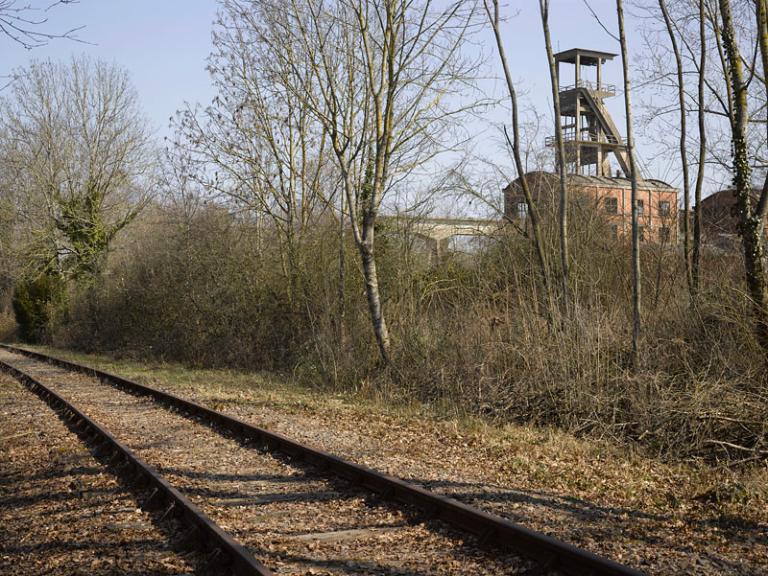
column 618, row 181
column 602, row 181
column 587, row 57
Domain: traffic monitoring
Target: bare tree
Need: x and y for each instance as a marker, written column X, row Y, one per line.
column 698, row 30
column 751, row 215
column 384, row 70
column 636, row 296
column 561, row 159
column 23, row 23
column 492, row 12
column 680, row 73
column 76, row 143
column 701, row 115
column 256, row 145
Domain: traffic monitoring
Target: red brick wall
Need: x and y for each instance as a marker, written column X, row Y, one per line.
column 653, row 222
column 655, row 225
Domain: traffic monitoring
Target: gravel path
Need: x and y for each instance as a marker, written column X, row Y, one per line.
column 61, row 511
column 293, row 521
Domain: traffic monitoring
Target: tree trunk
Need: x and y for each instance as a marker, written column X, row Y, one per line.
column 702, row 155
column 636, row 295
column 751, row 220
column 533, row 212
column 555, row 82
column 342, row 280
column 372, row 288
column 683, row 149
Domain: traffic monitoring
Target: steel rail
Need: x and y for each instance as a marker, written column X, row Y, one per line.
column 553, row 553
column 203, row 533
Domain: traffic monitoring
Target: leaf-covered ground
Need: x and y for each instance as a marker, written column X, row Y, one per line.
column 664, row 518
column 61, row 511
column 293, row 520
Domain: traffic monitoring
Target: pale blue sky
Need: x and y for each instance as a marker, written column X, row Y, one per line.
column 164, row 44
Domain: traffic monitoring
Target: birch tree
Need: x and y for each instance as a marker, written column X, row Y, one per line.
column 385, row 71
column 636, row 295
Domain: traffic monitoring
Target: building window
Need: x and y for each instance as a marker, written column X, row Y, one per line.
column 614, row 231
column 522, row 210
column 611, row 205
column 664, row 208
column 641, row 233
column 640, row 207
column 665, row 234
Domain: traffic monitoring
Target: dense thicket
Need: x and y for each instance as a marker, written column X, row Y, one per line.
column 470, row 336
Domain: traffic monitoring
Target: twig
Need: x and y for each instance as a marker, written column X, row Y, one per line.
column 603, row 26
column 19, row 435
column 737, row 447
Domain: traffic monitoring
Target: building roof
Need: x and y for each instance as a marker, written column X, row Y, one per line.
column 619, row 182
column 586, row 57
column 728, row 196
column 604, row 181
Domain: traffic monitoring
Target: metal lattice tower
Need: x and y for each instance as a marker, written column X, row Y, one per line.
column 589, row 132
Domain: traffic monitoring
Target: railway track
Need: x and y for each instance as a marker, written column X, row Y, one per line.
column 49, row 480
column 295, row 508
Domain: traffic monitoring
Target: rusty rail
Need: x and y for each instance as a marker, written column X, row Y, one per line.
column 202, row 533
column 499, row 531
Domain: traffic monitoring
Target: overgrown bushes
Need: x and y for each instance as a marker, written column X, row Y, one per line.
column 34, row 303
column 469, row 333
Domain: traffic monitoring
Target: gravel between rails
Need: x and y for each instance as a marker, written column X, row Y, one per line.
column 61, row 511
column 294, row 521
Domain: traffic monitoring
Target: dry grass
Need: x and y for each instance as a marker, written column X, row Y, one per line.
column 470, row 335
column 596, row 469
column 659, row 512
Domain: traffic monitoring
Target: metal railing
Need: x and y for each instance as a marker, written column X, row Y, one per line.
column 584, row 135
column 603, row 89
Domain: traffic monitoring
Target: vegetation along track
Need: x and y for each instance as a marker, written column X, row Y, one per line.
column 298, row 509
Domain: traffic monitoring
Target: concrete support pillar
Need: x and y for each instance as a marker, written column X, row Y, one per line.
column 578, row 70
column 599, row 74
column 439, row 249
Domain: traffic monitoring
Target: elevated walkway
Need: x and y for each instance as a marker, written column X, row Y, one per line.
column 437, row 232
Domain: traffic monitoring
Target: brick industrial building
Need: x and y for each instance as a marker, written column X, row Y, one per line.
column 591, row 140
column 610, row 197
column 719, row 218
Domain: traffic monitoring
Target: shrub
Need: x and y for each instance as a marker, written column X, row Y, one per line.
column 470, row 335
column 34, row 300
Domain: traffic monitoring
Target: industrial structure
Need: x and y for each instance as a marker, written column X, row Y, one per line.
column 591, row 141
column 591, row 138
column 589, row 132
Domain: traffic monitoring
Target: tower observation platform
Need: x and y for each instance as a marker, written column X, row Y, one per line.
column 590, row 135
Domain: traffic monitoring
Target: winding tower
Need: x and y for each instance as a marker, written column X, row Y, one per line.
column 589, row 133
